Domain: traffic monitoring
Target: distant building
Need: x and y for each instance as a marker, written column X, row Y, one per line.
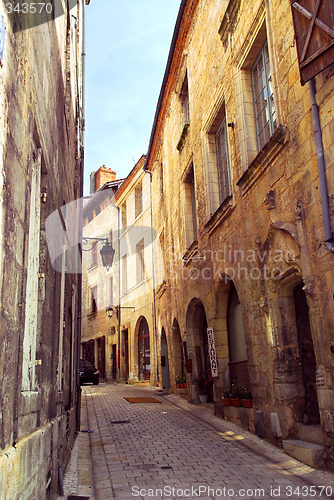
column 99, row 287
column 41, row 164
column 122, row 347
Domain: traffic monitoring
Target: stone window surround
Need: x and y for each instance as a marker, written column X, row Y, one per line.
column 211, row 124
column 257, row 35
column 91, row 298
column 182, row 91
column 188, row 180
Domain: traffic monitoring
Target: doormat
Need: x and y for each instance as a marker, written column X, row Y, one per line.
column 146, row 399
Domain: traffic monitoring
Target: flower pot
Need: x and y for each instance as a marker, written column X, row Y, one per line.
column 203, row 398
column 236, row 402
column 247, row 403
column 178, row 386
column 227, row 401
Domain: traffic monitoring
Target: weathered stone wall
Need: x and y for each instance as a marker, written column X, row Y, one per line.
column 38, row 121
column 268, row 236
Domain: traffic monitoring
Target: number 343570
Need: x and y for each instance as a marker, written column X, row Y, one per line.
column 28, row 8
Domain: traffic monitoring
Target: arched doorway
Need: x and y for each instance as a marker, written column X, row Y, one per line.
column 165, row 375
column 310, row 412
column 238, row 366
column 178, row 355
column 197, row 342
column 144, row 359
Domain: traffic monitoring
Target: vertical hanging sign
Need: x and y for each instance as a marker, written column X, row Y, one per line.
column 212, row 353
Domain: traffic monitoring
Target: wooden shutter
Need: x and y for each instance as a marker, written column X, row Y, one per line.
column 314, row 32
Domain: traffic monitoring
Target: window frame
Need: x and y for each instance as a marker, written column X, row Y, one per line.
column 93, row 299
column 140, row 261
column 222, row 132
column 269, row 108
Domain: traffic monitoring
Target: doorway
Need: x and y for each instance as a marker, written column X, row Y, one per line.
column 238, row 364
column 144, row 360
column 101, row 356
column 307, row 356
column 114, row 361
column 165, row 375
column 197, row 346
column 125, row 353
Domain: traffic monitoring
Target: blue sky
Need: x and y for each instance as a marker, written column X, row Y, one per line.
column 127, row 45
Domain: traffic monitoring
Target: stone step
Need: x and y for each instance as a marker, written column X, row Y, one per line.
column 309, row 453
column 311, row 433
column 145, row 383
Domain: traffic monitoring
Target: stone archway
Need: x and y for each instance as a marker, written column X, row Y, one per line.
column 307, row 359
column 178, row 358
column 238, row 365
column 165, row 375
column 197, row 345
column 143, row 349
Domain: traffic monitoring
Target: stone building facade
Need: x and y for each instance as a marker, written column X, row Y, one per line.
column 238, row 210
column 122, row 347
column 99, row 286
column 41, row 163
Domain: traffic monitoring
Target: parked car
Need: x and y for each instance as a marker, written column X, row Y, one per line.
column 88, row 372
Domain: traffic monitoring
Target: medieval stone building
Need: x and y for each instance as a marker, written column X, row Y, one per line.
column 41, row 163
column 122, row 343
column 238, row 208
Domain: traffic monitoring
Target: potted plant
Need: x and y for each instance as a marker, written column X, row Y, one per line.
column 204, row 383
column 179, row 381
column 246, row 397
column 236, row 395
column 227, row 397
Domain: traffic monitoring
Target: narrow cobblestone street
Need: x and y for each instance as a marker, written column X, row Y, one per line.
column 137, row 449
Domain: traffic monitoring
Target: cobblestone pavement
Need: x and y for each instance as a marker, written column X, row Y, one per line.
column 144, row 450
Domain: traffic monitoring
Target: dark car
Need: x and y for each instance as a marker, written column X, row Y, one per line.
column 88, row 372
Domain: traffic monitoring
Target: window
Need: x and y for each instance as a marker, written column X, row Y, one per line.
column 190, row 210
column 263, row 97
column 140, row 263
column 93, row 299
column 60, row 368
column 94, row 254
column 31, row 298
column 218, row 178
column 161, row 179
column 184, row 98
column 123, row 216
column 124, row 274
column 138, row 200
column 223, row 162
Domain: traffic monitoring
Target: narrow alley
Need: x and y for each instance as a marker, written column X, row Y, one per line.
column 172, row 449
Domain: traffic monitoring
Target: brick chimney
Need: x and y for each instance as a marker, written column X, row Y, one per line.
column 101, row 176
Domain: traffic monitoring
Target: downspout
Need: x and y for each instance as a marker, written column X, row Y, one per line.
column 329, row 238
column 82, row 166
column 119, row 298
column 153, row 276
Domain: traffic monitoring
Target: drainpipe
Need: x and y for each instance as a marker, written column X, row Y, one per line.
column 153, row 276
column 119, row 297
column 82, row 166
column 329, row 238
